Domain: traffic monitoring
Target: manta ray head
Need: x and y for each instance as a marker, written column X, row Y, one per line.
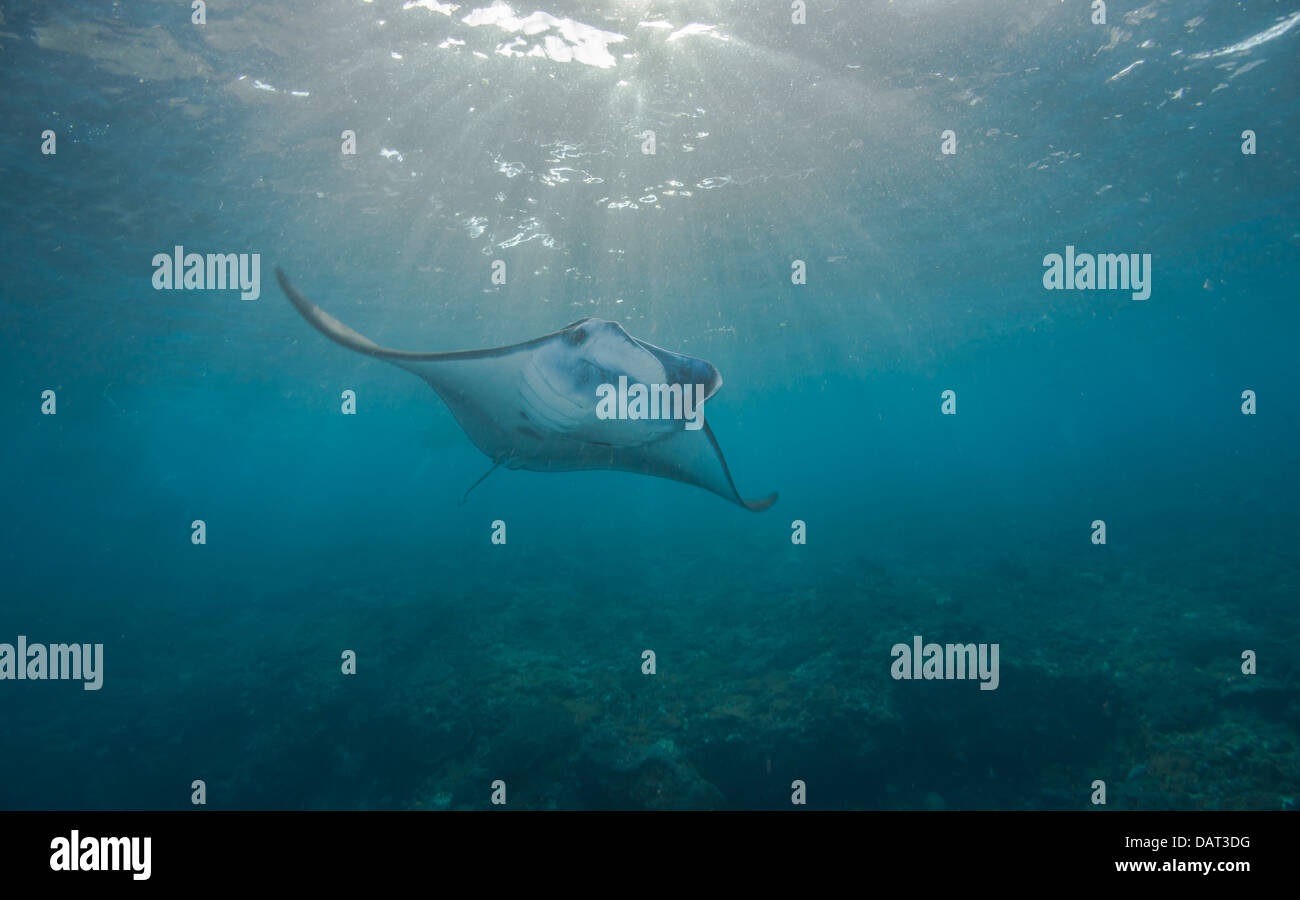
column 607, row 348
column 562, row 379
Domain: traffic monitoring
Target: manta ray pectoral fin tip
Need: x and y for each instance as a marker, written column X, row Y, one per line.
column 760, row 505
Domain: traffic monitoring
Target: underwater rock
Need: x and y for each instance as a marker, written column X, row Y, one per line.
column 534, row 736
column 1266, row 695
column 621, row 775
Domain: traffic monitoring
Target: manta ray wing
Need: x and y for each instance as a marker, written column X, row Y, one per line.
column 693, row 457
column 514, row 414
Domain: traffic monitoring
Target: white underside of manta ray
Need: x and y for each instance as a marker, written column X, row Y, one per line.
column 533, row 405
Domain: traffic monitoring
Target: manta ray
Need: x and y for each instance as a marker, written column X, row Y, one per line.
column 534, row 405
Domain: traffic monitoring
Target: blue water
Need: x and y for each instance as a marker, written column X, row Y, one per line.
column 775, row 142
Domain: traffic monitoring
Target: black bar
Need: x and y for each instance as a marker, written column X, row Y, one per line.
column 334, row 848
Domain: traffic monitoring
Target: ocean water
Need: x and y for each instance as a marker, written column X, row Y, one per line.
column 485, row 132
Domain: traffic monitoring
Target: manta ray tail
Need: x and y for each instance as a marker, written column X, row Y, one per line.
column 480, row 481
